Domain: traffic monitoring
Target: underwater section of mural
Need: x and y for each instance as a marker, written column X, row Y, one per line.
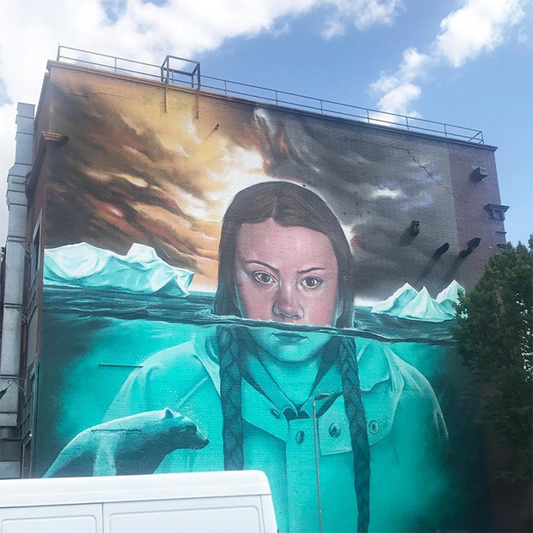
column 229, row 286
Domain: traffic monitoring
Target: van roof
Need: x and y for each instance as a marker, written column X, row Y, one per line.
column 61, row 491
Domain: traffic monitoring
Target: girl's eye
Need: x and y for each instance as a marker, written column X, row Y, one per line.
column 311, row 283
column 264, row 278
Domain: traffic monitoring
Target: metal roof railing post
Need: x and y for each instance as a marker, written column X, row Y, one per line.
column 198, row 88
column 164, row 68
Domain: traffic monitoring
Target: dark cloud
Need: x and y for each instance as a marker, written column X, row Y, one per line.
column 165, row 180
column 376, row 181
column 115, row 183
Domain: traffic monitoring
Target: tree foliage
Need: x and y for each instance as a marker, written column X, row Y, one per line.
column 494, row 337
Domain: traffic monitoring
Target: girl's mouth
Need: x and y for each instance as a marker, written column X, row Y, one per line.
column 289, row 337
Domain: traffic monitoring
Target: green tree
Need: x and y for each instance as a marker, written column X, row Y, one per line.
column 494, row 337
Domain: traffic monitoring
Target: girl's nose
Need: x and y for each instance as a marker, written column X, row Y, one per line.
column 286, row 305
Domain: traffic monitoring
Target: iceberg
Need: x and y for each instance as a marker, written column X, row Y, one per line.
column 447, row 297
column 451, row 293
column 423, row 307
column 408, row 303
column 140, row 271
column 395, row 303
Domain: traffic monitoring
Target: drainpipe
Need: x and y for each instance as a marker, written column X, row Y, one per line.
column 13, row 310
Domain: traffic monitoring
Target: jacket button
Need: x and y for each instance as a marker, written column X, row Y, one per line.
column 334, row 430
column 275, row 413
column 373, row 427
column 299, row 438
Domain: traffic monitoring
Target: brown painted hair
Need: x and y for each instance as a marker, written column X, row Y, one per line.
column 288, row 205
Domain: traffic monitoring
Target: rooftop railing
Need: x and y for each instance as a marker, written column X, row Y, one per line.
column 185, row 72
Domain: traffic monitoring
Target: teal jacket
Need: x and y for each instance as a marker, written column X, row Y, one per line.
column 406, row 430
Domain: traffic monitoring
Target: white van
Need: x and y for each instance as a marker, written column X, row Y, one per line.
column 213, row 502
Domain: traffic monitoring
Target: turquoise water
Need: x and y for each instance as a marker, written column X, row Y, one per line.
column 91, row 342
column 195, row 310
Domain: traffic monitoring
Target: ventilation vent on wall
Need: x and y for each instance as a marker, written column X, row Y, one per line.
column 478, row 173
column 496, row 211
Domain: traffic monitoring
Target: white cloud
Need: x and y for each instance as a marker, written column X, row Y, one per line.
column 398, row 99
column 334, row 28
column 30, row 31
column 413, row 64
column 478, row 26
column 396, row 92
column 523, row 36
column 361, row 13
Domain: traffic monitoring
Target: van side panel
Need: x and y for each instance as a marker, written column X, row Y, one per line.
column 52, row 519
column 212, row 515
column 269, row 516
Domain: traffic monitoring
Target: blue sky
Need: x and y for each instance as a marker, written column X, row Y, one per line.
column 465, row 62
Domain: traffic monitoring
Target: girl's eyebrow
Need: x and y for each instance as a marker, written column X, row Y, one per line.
column 311, row 270
column 255, row 261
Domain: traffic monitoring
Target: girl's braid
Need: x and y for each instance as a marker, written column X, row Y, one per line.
column 231, row 399
column 353, row 402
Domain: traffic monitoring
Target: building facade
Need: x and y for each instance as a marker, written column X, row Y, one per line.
column 211, row 282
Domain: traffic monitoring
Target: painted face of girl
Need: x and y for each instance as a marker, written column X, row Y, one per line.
column 288, row 275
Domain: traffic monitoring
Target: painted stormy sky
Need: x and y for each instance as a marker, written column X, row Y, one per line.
column 130, row 173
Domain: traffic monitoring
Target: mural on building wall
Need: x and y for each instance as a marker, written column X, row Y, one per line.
column 214, row 286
